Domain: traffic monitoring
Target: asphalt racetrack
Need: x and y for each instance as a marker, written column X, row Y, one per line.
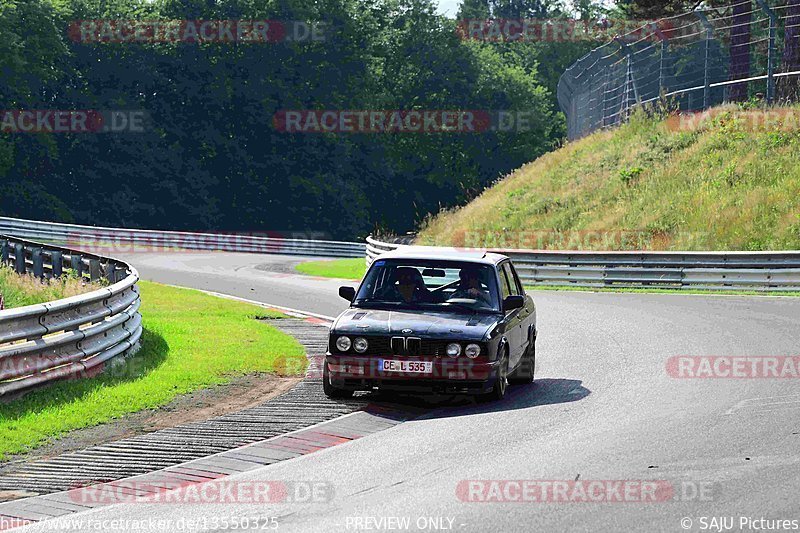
column 605, row 409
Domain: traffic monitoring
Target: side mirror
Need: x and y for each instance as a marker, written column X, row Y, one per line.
column 348, row 293
column 513, row 302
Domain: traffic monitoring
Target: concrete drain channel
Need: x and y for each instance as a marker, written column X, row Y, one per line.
column 206, row 450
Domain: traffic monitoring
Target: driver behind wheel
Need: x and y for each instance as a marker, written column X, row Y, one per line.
column 471, row 288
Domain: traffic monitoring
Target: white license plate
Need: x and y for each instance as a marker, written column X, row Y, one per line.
column 411, row 367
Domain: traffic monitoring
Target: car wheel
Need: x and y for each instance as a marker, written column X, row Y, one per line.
column 500, row 386
column 330, row 391
column 524, row 374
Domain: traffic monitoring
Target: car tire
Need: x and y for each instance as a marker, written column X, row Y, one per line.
column 330, row 391
column 525, row 372
column 501, row 384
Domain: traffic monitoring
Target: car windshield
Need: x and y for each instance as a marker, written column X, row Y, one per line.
column 445, row 285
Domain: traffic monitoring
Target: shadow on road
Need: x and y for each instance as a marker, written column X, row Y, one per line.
column 542, row 392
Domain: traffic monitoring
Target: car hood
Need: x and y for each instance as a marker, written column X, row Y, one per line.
column 428, row 324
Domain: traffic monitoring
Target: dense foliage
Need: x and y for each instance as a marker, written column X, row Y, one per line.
column 210, row 157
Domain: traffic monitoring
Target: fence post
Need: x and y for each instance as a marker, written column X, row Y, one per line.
column 597, row 108
column 605, row 95
column 629, row 76
column 661, row 67
column 707, row 76
column 773, row 25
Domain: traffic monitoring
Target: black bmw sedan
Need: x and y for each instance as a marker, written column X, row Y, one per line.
column 457, row 323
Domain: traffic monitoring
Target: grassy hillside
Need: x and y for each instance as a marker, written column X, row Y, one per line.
column 727, row 181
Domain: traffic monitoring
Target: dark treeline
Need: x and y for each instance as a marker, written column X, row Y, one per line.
column 210, row 157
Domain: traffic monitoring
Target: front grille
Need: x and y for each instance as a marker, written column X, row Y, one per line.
column 378, row 345
column 413, row 346
column 398, row 346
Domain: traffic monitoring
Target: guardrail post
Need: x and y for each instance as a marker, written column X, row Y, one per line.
column 773, row 25
column 707, row 77
column 4, row 251
column 111, row 272
column 19, row 258
column 38, row 262
column 56, row 260
column 94, row 269
column 76, row 264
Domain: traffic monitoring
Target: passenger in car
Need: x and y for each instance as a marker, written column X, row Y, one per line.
column 471, row 288
column 409, row 287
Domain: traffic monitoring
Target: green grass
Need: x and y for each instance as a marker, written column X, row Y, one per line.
column 24, row 290
column 191, row 341
column 718, row 184
column 337, row 268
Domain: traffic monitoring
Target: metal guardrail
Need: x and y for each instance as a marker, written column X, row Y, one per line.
column 72, row 337
column 746, row 271
column 131, row 240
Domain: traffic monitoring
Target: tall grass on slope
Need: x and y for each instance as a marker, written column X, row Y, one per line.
column 727, row 180
column 20, row 290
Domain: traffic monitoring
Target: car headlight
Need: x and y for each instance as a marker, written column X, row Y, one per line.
column 360, row 344
column 343, row 343
column 472, row 351
column 453, row 350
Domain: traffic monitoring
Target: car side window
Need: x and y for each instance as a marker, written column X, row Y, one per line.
column 505, row 286
column 520, row 288
column 512, row 284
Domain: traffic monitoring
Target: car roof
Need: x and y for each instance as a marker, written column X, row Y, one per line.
column 445, row 254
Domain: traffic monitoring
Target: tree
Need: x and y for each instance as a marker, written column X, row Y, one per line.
column 211, row 158
column 511, row 9
column 656, row 9
column 474, row 10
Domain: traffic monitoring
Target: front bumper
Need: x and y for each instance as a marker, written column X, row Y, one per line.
column 452, row 376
